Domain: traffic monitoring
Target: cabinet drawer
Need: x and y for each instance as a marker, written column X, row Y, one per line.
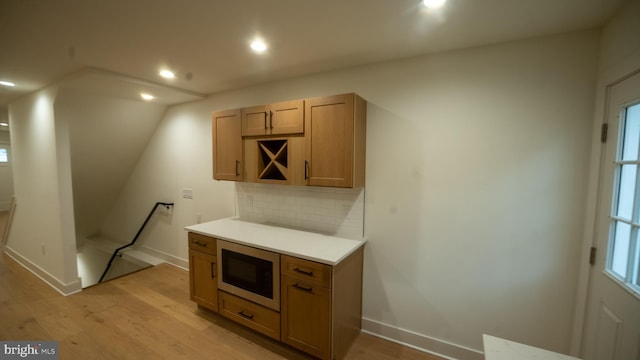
column 202, row 243
column 254, row 316
column 306, row 270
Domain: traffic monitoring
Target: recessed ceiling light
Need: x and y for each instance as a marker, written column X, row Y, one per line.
column 167, row 74
column 7, row 83
column 147, row 96
column 3, row 124
column 433, row 3
column 258, row 45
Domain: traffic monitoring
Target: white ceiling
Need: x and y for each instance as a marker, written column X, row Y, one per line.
column 206, row 41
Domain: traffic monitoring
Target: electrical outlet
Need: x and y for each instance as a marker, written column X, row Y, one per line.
column 346, row 208
column 43, row 248
column 198, row 218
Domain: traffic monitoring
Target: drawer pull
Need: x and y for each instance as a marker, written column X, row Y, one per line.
column 303, row 288
column 247, row 316
column 303, row 272
column 203, row 244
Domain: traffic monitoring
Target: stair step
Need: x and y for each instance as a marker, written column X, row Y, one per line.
column 94, row 255
column 141, row 256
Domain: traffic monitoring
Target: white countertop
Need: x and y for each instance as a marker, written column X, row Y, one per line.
column 325, row 249
column 501, row 349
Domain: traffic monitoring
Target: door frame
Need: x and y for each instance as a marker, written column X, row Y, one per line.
column 586, row 270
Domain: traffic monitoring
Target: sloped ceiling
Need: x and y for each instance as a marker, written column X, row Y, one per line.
column 206, row 42
column 107, row 136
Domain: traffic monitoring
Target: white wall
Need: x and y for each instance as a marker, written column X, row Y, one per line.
column 619, row 56
column 476, row 174
column 620, row 46
column 177, row 157
column 42, row 236
column 485, row 213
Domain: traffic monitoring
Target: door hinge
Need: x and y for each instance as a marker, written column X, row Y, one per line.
column 604, row 130
column 592, row 256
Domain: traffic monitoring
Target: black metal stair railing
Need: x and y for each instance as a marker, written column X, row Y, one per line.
column 115, row 253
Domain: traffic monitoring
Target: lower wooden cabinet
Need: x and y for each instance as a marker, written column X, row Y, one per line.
column 320, row 305
column 306, row 316
column 203, row 281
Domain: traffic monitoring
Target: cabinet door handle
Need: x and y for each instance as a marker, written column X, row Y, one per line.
column 198, row 243
column 237, row 167
column 213, row 270
column 303, row 288
column 271, row 119
column 265, row 121
column 247, row 316
column 303, row 272
column 306, row 169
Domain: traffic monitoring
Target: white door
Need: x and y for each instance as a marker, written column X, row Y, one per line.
column 612, row 328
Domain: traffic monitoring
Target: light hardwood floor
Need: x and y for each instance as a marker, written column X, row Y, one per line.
column 143, row 315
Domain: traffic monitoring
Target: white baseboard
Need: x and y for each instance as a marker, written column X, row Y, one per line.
column 62, row 288
column 420, row 342
column 171, row 259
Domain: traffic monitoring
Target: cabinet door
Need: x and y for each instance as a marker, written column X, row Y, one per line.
column 329, row 123
column 202, row 279
column 306, row 317
column 227, row 145
column 287, row 117
column 255, row 120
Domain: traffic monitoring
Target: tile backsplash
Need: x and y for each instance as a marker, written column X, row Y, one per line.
column 332, row 211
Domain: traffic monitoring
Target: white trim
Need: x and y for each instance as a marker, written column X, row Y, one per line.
column 593, row 202
column 64, row 289
column 424, row 343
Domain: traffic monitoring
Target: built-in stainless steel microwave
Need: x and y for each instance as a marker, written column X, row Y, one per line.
column 250, row 273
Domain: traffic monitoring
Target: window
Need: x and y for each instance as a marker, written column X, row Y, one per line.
column 624, row 247
column 4, row 155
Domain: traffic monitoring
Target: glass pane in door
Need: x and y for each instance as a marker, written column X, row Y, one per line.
column 626, row 191
column 631, row 137
column 620, row 248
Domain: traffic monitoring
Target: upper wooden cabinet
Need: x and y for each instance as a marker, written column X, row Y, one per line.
column 336, row 133
column 275, row 159
column 285, row 117
column 227, row 145
column 318, row 142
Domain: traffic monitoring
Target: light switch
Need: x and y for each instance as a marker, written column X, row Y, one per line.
column 187, row 193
